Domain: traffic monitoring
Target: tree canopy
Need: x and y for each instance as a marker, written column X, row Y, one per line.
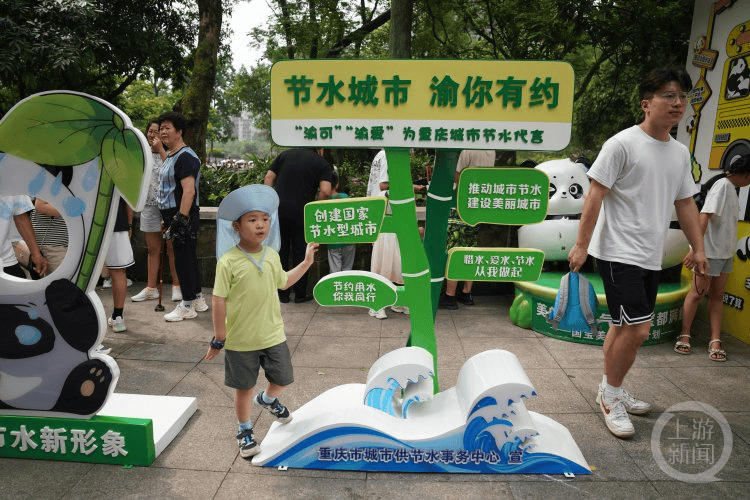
column 93, row 46
column 609, row 43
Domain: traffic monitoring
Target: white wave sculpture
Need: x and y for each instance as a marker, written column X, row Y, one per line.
column 395, row 423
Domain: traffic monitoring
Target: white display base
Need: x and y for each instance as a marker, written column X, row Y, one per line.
column 168, row 414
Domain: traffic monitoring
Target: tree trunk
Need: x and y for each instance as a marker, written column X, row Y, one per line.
column 401, row 17
column 197, row 100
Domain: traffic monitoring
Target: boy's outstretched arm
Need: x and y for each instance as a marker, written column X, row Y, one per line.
column 295, row 274
column 219, row 315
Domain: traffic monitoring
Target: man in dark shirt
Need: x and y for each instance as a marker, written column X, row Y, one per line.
column 297, row 174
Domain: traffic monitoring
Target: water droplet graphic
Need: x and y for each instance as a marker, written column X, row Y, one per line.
column 74, row 206
column 91, row 177
column 37, row 183
column 56, row 185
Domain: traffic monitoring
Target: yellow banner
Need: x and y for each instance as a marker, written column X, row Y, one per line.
column 422, row 103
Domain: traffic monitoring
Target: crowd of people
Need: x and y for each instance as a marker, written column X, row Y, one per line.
column 640, row 176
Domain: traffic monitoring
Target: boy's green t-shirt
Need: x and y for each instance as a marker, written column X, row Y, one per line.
column 253, row 320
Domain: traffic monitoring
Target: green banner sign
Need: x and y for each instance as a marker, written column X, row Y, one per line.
column 494, row 264
column 510, row 196
column 344, row 221
column 355, row 288
column 101, row 439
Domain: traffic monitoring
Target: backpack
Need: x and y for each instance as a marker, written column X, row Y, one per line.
column 575, row 305
column 700, row 196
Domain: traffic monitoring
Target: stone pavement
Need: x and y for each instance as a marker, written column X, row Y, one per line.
column 333, row 346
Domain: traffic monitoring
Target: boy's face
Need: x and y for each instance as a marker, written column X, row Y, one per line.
column 253, row 227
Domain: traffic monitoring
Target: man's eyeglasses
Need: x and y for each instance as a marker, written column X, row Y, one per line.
column 672, row 97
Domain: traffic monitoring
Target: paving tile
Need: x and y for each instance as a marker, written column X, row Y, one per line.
column 189, row 352
column 567, row 490
column 338, row 352
column 205, row 382
column 724, row 388
column 572, row 354
column 106, row 481
column 359, row 325
column 425, row 487
column 289, row 487
column 529, row 351
column 206, row 443
column 150, row 377
column 295, row 323
column 556, row 393
column 39, row 479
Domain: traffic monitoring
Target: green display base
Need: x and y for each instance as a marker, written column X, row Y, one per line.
column 143, row 427
column 534, row 300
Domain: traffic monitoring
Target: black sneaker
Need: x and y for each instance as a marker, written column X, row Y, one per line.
column 465, row 298
column 248, row 446
column 279, row 411
column 447, row 302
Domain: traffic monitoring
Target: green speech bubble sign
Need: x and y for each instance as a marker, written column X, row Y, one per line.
column 343, row 221
column 510, row 196
column 355, row 288
column 494, row 264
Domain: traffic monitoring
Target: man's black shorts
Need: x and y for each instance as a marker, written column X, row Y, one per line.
column 630, row 290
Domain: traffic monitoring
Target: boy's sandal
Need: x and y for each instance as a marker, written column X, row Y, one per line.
column 682, row 347
column 716, row 354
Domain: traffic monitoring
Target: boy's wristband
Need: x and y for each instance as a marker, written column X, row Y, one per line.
column 216, row 344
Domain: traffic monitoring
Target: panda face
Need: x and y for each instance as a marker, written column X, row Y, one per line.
column 568, row 184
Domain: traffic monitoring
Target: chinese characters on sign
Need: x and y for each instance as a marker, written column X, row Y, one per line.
column 63, row 441
column 666, row 321
column 494, row 264
column 502, row 195
column 414, row 455
column 349, row 220
column 355, row 288
column 421, row 103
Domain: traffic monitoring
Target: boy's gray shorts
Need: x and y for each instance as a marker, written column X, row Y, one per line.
column 241, row 367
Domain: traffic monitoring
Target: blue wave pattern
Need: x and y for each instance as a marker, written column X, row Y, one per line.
column 376, row 451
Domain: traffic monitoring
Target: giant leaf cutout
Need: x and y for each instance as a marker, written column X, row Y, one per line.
column 67, row 129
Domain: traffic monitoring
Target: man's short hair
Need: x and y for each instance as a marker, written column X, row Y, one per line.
column 658, row 77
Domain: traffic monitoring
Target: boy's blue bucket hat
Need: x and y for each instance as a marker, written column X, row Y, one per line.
column 255, row 197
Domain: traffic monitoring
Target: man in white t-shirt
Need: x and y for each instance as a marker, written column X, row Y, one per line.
column 640, row 174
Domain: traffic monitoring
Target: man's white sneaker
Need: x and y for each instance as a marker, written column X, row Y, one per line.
column 117, row 324
column 176, row 294
column 380, row 314
column 632, row 405
column 200, row 305
column 180, row 312
column 146, row 294
column 100, row 349
column 615, row 416
column 635, row 406
column 400, row 309
column 107, row 283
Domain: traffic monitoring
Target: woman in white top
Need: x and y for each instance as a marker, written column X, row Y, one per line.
column 151, row 224
column 718, row 220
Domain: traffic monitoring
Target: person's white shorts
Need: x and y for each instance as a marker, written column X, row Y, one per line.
column 151, row 219
column 120, row 254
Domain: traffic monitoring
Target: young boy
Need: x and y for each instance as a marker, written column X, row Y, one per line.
column 246, row 307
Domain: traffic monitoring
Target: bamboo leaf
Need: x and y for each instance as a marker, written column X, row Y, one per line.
column 123, row 160
column 58, row 129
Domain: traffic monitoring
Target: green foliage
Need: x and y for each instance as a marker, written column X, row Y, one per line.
column 92, row 46
column 217, row 183
column 143, row 101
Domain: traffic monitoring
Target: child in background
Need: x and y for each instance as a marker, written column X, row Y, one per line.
column 340, row 257
column 718, row 220
column 246, row 307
